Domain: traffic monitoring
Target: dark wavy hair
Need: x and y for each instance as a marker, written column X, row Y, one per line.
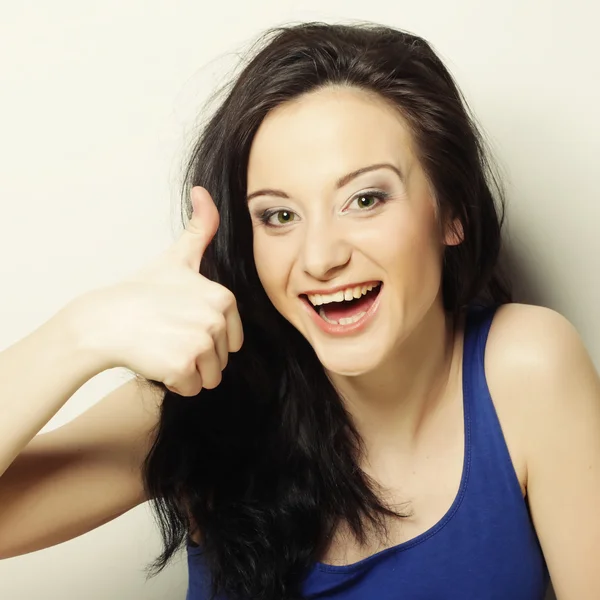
column 267, row 464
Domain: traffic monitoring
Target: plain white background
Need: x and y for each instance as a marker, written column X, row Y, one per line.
column 100, row 100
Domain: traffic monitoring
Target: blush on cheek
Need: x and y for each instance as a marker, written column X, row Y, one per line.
column 415, row 260
column 274, row 258
column 261, row 261
column 274, row 288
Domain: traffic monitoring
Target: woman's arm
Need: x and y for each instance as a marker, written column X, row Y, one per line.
column 64, row 483
column 562, row 389
column 37, row 376
column 166, row 323
column 75, row 478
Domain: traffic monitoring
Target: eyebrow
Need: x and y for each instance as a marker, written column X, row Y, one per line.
column 341, row 182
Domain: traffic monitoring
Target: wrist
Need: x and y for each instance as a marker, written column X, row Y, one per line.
column 83, row 327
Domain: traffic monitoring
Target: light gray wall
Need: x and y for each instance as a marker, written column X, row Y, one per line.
column 99, row 99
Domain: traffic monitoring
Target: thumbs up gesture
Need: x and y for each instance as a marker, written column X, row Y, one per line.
column 168, row 322
column 201, row 229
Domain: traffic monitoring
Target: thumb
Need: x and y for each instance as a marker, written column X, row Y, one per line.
column 200, row 230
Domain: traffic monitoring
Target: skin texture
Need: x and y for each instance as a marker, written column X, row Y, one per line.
column 328, row 239
column 398, row 376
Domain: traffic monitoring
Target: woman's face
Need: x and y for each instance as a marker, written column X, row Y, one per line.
column 339, row 201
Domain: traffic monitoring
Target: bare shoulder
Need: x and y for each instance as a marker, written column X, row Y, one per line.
column 534, row 359
column 528, row 343
column 546, row 390
column 529, row 335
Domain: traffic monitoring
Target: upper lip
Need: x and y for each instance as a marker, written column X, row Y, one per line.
column 338, row 288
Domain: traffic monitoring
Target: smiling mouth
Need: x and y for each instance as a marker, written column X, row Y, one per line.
column 345, row 312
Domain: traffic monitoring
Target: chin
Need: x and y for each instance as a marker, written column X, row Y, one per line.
column 350, row 366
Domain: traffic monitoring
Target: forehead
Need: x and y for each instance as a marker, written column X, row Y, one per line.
column 326, row 133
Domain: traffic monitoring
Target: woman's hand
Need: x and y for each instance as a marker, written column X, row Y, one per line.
column 167, row 322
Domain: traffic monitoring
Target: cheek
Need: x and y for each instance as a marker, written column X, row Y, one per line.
column 408, row 249
column 262, row 260
column 272, row 266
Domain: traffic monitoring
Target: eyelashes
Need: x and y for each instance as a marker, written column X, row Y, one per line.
column 280, row 217
column 266, row 216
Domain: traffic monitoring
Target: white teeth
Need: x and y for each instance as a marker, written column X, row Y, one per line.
column 343, row 321
column 352, row 319
column 347, row 294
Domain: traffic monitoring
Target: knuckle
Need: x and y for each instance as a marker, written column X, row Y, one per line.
column 184, row 382
column 217, row 325
column 183, row 369
column 204, row 345
column 227, row 300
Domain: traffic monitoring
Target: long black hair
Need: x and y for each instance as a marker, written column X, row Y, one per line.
column 267, row 464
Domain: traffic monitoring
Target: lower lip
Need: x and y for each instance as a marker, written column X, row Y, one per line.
column 337, row 329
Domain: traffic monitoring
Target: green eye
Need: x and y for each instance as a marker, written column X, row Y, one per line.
column 274, row 217
column 285, row 216
column 366, row 201
column 369, row 200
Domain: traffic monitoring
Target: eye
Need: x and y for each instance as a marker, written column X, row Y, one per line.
column 369, row 200
column 277, row 217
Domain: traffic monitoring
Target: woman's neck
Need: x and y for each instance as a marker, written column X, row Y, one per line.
column 390, row 405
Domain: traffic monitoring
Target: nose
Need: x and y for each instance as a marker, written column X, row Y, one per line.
column 325, row 252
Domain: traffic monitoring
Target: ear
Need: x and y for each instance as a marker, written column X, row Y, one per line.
column 454, row 234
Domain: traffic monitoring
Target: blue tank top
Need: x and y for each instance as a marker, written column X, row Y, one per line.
column 484, row 547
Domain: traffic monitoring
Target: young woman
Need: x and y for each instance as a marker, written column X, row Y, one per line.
column 335, row 395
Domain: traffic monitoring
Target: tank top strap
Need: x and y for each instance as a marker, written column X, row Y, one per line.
column 478, row 323
column 491, row 463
